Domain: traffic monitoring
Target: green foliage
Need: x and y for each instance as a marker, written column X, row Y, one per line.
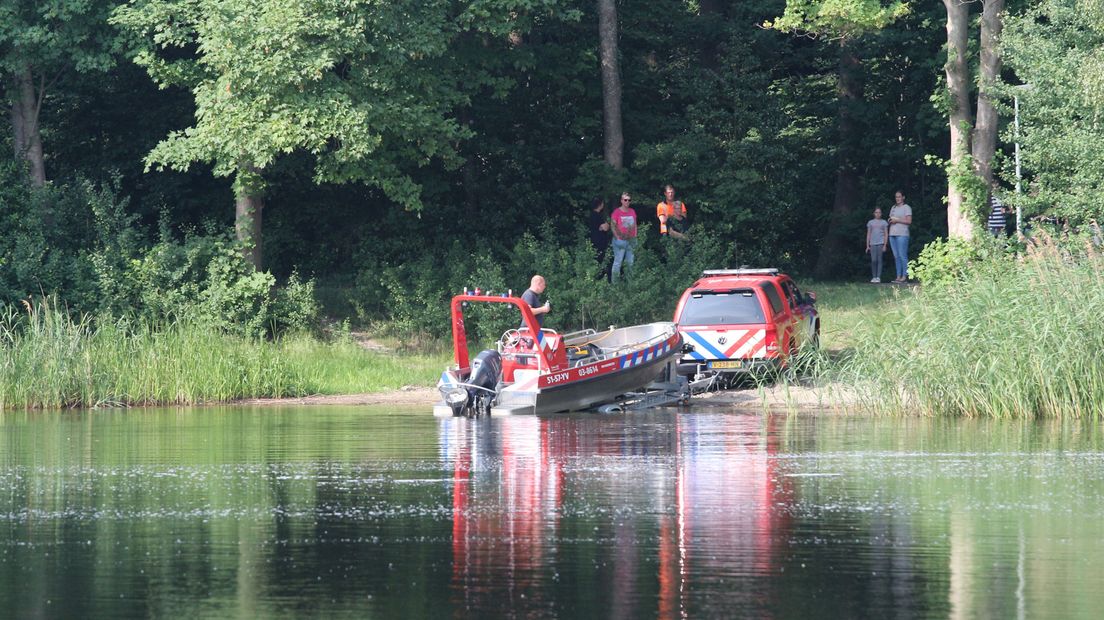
column 205, row 279
column 1055, row 48
column 975, row 192
column 1012, row 338
column 416, row 295
column 361, row 86
column 52, row 35
column 947, row 262
column 45, row 232
column 80, row 242
column 837, row 18
column 51, row 358
column 944, row 261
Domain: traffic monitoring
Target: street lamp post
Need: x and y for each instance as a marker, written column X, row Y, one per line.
column 1019, row 173
column 1019, row 176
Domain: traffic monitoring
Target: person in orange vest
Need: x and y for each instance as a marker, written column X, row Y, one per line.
column 666, row 212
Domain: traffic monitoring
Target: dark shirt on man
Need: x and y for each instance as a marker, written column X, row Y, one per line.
column 677, row 225
column 534, row 301
column 599, row 238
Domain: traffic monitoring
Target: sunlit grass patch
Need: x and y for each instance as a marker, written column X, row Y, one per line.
column 1018, row 338
column 52, row 359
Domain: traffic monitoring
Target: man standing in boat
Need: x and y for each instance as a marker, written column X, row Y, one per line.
column 532, row 295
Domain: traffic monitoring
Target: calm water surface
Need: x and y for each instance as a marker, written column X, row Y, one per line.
column 242, row 512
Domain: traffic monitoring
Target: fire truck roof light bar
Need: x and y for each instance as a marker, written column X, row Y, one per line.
column 769, row 271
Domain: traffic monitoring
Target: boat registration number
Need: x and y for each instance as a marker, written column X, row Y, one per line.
column 728, row 364
column 560, row 376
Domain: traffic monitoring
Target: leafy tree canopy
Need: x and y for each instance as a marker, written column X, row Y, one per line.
column 1057, row 50
column 52, row 35
column 364, row 86
column 838, row 18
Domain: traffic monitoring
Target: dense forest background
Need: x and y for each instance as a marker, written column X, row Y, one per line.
column 430, row 138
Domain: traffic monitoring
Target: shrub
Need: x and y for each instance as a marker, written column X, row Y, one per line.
column 79, row 243
column 414, row 297
column 205, row 278
column 943, row 262
column 47, row 232
column 1006, row 338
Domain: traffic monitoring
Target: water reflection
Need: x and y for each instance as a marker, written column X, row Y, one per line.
column 353, row 512
column 669, row 515
column 715, row 514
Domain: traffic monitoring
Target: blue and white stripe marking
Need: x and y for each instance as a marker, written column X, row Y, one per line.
column 699, row 341
column 644, row 355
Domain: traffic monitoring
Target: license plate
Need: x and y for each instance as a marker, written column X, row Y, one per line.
column 729, row 364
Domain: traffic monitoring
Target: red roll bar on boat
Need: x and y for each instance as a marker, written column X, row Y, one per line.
column 460, row 336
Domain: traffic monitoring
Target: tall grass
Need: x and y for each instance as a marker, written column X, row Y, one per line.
column 51, row 359
column 1012, row 338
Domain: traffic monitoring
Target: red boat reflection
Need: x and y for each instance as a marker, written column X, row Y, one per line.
column 654, row 512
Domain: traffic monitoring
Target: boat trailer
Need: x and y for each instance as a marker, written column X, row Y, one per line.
column 670, row 389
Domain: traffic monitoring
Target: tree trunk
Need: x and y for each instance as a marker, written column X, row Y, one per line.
column 958, row 87
column 984, row 142
column 611, row 84
column 248, row 213
column 849, row 93
column 24, row 116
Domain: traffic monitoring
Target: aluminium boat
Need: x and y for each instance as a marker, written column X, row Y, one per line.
column 538, row 370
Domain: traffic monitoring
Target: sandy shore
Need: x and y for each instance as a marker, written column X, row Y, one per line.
column 786, row 397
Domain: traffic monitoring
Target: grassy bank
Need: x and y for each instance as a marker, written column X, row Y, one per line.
column 1011, row 338
column 49, row 359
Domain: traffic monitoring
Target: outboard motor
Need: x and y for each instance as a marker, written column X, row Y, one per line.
column 486, row 373
column 479, row 394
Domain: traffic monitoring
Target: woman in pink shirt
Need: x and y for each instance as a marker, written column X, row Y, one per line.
column 624, row 235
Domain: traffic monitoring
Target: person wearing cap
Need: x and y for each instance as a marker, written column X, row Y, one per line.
column 672, row 215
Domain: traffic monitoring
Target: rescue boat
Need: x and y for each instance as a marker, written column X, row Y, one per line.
column 538, row 370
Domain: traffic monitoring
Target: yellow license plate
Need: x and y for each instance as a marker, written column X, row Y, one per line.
column 730, row 364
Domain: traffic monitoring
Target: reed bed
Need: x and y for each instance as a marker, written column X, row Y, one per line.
column 51, row 359
column 1020, row 337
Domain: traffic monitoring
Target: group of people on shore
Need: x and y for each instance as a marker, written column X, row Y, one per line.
column 893, row 234
column 619, row 228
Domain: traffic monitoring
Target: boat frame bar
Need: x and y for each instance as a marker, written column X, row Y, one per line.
column 460, row 335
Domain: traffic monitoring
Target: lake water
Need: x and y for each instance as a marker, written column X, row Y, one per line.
column 367, row 512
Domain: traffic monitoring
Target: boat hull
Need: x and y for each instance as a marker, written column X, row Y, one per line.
column 589, row 385
column 587, row 393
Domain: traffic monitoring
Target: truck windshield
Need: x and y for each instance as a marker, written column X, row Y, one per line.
column 722, row 308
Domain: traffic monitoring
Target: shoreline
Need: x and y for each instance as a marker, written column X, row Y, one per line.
column 787, row 397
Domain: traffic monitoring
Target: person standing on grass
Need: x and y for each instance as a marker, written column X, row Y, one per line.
column 599, row 226
column 666, row 210
column 624, row 235
column 900, row 218
column 677, row 223
column 877, row 238
column 998, row 217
